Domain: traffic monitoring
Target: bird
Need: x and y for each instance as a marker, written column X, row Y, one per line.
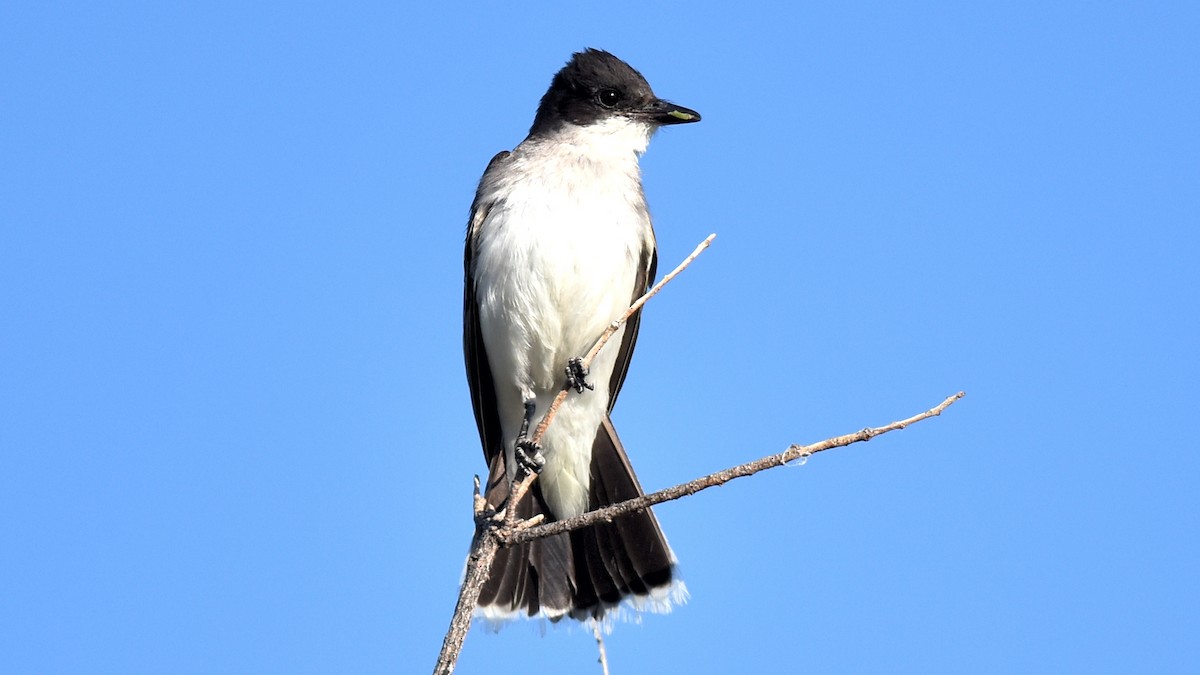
column 559, row 244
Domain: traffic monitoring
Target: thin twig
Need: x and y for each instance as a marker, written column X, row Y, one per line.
column 490, row 537
column 513, row 537
column 479, row 565
column 526, row 481
column 600, row 647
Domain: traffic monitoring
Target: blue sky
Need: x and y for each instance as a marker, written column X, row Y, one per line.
column 235, row 435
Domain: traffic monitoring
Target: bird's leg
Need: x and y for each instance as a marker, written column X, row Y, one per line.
column 528, row 454
column 577, row 375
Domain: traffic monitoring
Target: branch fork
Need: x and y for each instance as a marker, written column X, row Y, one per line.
column 496, row 529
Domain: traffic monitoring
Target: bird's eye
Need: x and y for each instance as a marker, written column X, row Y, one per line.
column 608, row 97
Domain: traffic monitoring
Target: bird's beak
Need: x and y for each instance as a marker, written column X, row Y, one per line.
column 665, row 112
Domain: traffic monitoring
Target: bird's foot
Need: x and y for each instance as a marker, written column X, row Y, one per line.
column 529, row 456
column 577, row 375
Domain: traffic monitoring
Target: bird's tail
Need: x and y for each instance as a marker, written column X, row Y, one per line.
column 587, row 573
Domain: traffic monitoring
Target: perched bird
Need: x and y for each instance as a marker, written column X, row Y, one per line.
column 559, row 244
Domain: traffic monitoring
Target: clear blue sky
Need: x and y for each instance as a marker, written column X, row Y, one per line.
column 235, row 434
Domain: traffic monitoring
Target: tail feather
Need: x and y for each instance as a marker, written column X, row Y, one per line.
column 531, row 577
column 584, row 574
column 638, row 539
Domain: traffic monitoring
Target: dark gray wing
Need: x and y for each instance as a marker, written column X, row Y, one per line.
column 479, row 372
column 647, row 268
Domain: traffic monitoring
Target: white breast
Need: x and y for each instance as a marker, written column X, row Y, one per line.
column 555, row 262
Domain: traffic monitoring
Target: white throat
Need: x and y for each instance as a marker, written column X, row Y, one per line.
column 611, row 138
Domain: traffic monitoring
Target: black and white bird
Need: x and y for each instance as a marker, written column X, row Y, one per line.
column 559, row 244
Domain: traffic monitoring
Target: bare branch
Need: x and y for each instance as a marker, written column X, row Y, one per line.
column 637, row 304
column 794, row 452
column 479, row 565
column 599, row 635
column 490, row 536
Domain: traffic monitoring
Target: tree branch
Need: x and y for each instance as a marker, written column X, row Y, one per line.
column 491, row 535
column 479, row 566
column 512, row 537
column 494, row 530
column 599, row 635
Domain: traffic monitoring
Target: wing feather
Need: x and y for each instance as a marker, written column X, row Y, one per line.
column 647, row 268
column 479, row 371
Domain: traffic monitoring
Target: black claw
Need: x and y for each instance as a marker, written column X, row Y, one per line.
column 577, row 375
column 529, row 456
